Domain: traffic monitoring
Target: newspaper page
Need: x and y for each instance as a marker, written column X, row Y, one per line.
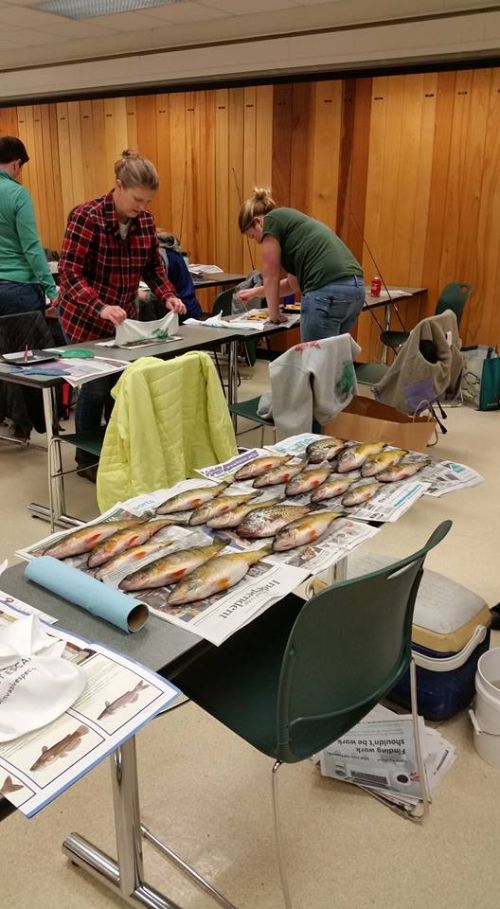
column 379, row 755
column 73, row 371
column 120, row 696
column 253, row 320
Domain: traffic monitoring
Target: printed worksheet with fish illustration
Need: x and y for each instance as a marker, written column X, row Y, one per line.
column 120, row 696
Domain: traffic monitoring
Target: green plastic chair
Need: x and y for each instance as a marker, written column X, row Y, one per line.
column 248, row 410
column 454, row 296
column 90, row 442
column 299, row 677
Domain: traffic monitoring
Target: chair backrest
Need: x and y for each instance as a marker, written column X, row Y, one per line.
column 454, row 296
column 349, row 646
column 222, row 302
column 21, row 329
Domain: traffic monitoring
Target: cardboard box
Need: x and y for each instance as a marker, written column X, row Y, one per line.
column 367, row 420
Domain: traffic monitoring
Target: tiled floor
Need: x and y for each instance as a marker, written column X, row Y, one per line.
column 208, row 794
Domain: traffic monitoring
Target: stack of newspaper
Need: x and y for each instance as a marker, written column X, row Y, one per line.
column 378, row 755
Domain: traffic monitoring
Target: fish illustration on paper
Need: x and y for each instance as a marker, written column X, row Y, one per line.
column 128, row 697
column 9, row 786
column 61, row 748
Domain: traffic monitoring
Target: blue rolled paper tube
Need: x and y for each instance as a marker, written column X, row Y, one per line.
column 83, row 590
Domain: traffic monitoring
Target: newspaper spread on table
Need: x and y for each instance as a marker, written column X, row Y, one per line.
column 220, row 615
column 74, row 371
column 253, row 320
column 378, row 754
column 120, row 696
column 439, row 477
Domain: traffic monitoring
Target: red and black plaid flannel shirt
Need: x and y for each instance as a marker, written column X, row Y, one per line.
column 98, row 268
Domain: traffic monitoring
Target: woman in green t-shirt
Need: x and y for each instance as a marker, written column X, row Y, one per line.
column 317, row 262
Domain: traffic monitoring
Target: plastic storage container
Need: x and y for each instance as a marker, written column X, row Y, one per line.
column 450, row 633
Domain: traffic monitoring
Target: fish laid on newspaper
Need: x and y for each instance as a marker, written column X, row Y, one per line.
column 268, row 520
column 375, row 465
column 356, row 455
column 61, row 748
column 306, row 530
column 335, row 485
column 236, row 515
column 260, row 465
column 360, row 493
column 280, row 474
column 128, row 697
column 402, row 471
column 307, row 480
column 324, row 450
column 130, row 558
column 220, row 505
column 191, row 499
column 87, row 538
column 171, row 568
column 217, row 575
column 125, row 539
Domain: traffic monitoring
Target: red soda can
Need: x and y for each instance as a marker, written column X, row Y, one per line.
column 376, row 286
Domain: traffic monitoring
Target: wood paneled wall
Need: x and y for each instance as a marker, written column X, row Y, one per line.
column 405, row 168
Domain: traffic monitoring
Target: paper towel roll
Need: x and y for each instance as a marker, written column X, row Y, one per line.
column 83, row 590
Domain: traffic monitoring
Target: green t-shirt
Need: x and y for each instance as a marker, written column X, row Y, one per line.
column 22, row 258
column 309, row 249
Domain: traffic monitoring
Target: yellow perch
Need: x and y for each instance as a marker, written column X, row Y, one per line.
column 356, row 455
column 87, row 538
column 130, row 558
column 402, row 471
column 307, row 480
column 191, row 499
column 380, row 462
column 217, row 575
column 171, row 568
column 305, row 530
column 324, row 450
column 236, row 515
column 333, row 486
column 268, row 520
column 280, row 474
column 125, row 539
column 361, row 492
column 221, row 505
column 260, row 465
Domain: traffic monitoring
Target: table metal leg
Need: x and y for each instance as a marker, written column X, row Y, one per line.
column 232, row 378
column 125, row 876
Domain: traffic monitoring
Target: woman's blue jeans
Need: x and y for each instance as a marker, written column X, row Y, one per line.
column 94, row 402
column 16, row 297
column 331, row 310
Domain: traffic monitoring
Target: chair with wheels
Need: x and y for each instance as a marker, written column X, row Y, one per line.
column 299, row 677
column 454, row 296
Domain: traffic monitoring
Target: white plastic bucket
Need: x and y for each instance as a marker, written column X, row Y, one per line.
column 487, row 705
column 486, row 745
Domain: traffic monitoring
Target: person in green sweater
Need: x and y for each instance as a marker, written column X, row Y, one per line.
column 317, row 262
column 25, row 278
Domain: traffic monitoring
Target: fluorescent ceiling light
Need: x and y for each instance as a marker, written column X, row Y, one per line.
column 88, row 9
